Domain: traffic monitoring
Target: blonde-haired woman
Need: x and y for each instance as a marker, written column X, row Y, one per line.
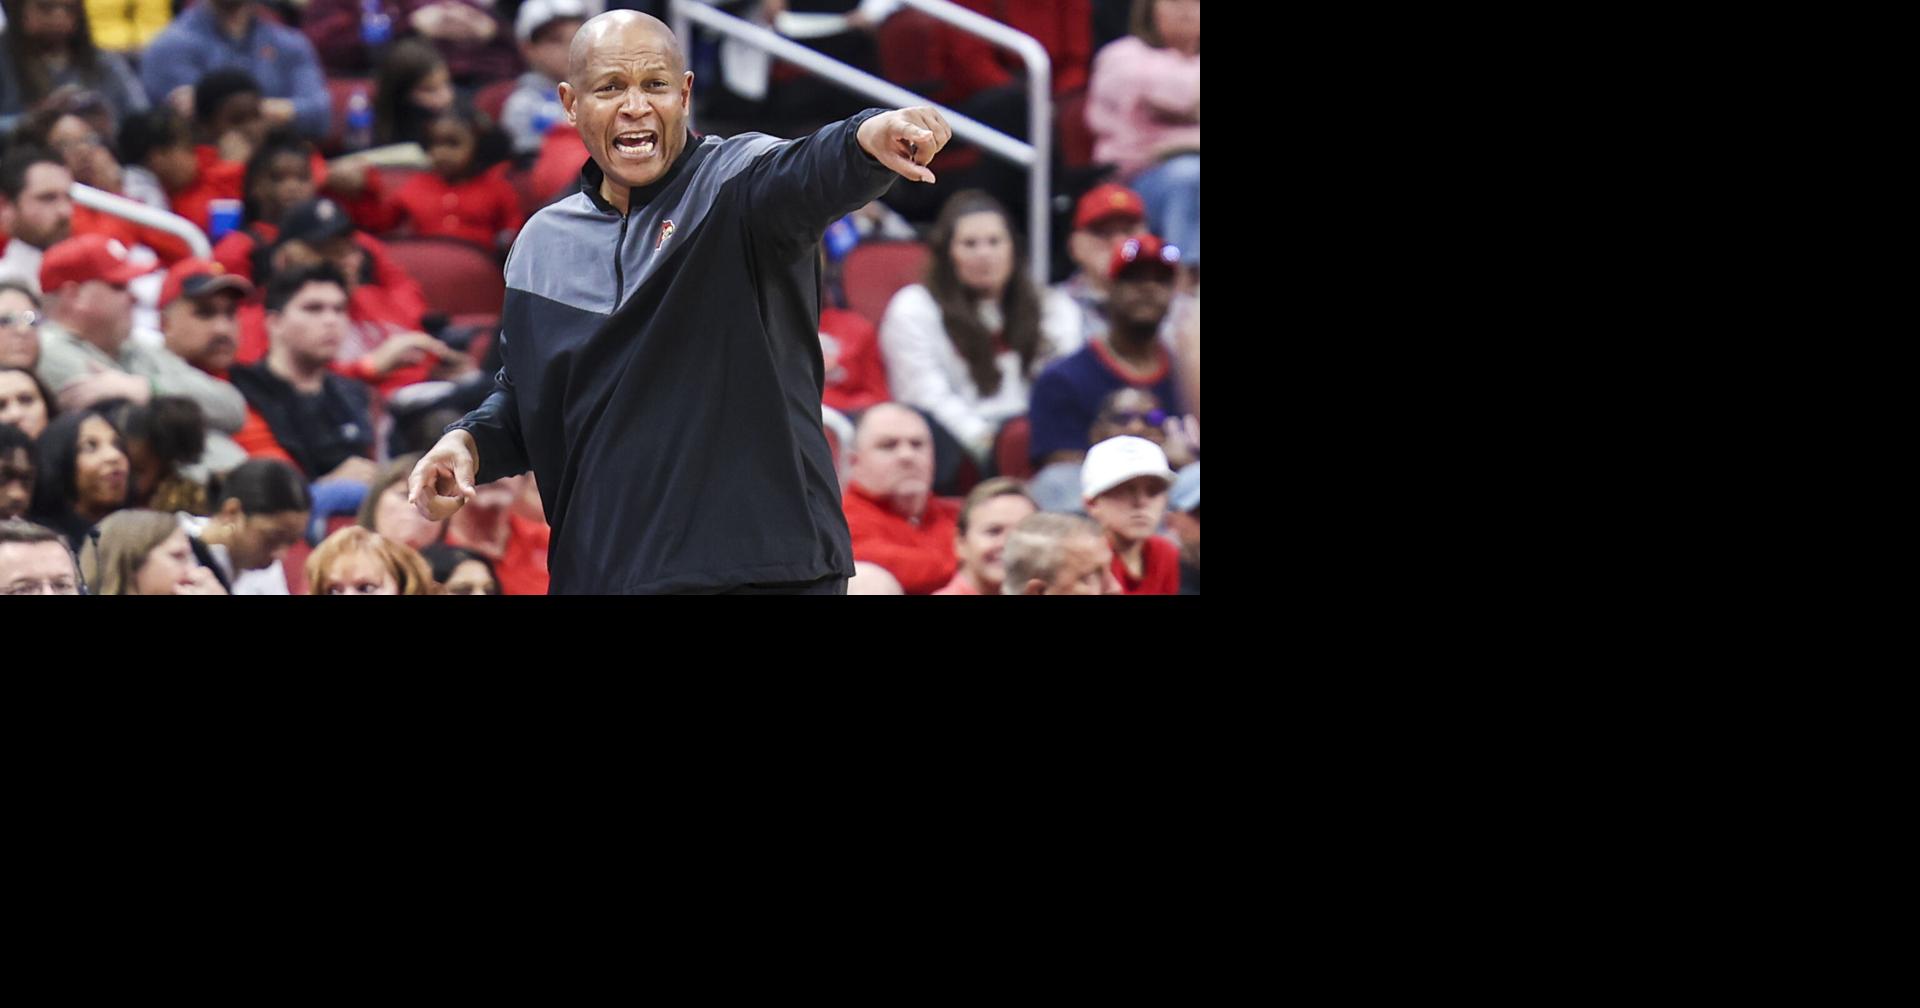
column 360, row 561
column 141, row 552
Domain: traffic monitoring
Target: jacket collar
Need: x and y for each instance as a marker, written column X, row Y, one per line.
column 591, row 176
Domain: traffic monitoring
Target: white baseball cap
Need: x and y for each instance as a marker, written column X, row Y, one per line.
column 536, row 14
column 1119, row 459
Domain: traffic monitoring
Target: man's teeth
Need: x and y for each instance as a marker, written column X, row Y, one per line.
column 635, row 143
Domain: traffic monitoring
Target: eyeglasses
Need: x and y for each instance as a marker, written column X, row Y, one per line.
column 1152, row 418
column 21, row 320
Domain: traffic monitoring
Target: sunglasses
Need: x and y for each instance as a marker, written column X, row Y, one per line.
column 1131, row 251
column 21, row 320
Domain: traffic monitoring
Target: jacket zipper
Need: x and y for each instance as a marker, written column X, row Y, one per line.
column 619, row 271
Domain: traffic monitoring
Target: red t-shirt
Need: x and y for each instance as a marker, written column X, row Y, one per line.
column 216, row 179
column 522, row 566
column 1159, row 570
column 920, row 556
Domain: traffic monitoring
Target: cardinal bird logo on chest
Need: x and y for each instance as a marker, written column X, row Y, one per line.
column 666, row 232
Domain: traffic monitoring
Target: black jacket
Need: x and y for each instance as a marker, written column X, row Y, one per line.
column 662, row 370
column 319, row 432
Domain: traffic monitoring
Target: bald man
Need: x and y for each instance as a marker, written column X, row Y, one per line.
column 896, row 521
column 661, row 340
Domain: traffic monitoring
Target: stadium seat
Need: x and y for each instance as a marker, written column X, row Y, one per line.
column 492, row 99
column 1010, row 449
column 873, row 271
column 456, row 277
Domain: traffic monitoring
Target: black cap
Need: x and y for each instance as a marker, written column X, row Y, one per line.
column 314, row 221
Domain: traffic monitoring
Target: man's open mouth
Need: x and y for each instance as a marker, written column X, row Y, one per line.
column 638, row 143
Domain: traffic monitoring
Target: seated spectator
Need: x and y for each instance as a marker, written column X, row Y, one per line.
column 199, row 307
column 383, row 345
column 36, row 210
column 1067, row 395
column 992, row 510
column 1105, row 216
column 64, row 131
column 23, row 401
column 166, row 437
column 262, row 513
column 1058, row 554
column 17, row 471
column 86, row 356
column 475, row 43
column 545, row 30
column 1183, row 515
column 387, row 511
column 460, row 572
column 157, row 156
column 145, row 553
column 895, row 520
column 83, row 474
column 285, row 173
column 277, row 177
column 35, row 561
column 466, row 195
column 1131, row 411
column 1143, row 107
column 358, row 561
column 494, row 526
column 1124, row 485
column 233, row 33
column 50, row 46
column 228, row 127
column 320, row 419
column 413, row 86
column 20, row 323
column 965, row 345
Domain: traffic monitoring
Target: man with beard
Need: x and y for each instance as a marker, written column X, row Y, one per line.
column 35, row 209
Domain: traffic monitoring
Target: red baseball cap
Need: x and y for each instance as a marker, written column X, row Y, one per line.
column 1143, row 255
column 89, row 257
column 198, row 278
column 1109, row 200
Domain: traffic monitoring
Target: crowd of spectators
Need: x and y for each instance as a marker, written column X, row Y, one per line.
column 243, row 422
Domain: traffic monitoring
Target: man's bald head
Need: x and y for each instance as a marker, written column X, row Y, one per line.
column 620, row 28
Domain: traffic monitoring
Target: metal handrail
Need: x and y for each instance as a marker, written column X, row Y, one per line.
column 1035, row 156
column 142, row 214
column 1039, row 115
